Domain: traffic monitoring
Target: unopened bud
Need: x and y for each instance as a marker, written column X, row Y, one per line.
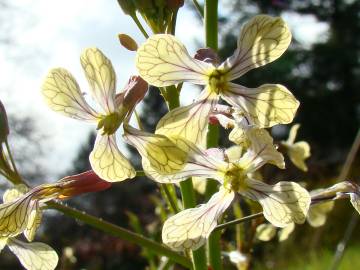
column 128, row 42
column 207, row 55
column 4, row 126
column 133, row 93
column 174, row 4
column 82, row 183
column 127, row 6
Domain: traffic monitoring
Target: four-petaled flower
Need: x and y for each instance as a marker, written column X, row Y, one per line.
column 174, row 159
column 35, row 255
column 62, row 94
column 163, row 61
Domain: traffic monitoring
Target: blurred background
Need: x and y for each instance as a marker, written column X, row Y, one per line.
column 321, row 68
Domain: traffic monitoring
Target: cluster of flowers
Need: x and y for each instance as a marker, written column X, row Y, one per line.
column 177, row 149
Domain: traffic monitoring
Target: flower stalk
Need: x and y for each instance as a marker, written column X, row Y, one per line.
column 211, row 41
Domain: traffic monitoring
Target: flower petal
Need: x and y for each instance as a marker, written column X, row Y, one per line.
column 190, row 228
column 171, row 159
column 283, row 203
column 15, row 215
column 263, row 39
column 318, row 213
column 298, row 152
column 189, row 122
column 107, row 161
column 13, row 193
column 3, row 242
column 62, row 94
column 163, row 60
column 284, row 233
column 33, row 223
column 265, row 232
column 267, row 105
column 101, row 77
column 34, row 256
column 292, row 134
column 355, row 201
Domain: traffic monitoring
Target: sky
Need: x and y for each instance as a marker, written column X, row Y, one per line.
column 48, row 34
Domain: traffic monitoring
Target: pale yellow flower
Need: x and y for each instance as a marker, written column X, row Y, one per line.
column 163, row 61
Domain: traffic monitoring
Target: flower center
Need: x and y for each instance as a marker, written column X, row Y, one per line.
column 218, row 81
column 234, row 178
column 111, row 122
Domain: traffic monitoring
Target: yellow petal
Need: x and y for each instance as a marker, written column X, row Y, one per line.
column 238, row 136
column 283, row 203
column 234, row 153
column 14, row 193
column 170, row 159
column 298, row 152
column 355, row 201
column 292, row 134
column 199, row 184
column 284, row 233
column 3, row 242
column 263, row 39
column 190, row 228
column 107, row 161
column 265, row 232
column 33, row 224
column 34, row 256
column 163, row 60
column 318, row 213
column 14, row 216
column 266, row 106
column 101, row 77
column 189, row 122
column 261, row 143
column 62, row 94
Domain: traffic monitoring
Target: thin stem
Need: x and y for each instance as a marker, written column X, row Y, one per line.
column 186, row 187
column 139, row 25
column 340, row 249
column 140, row 173
column 170, row 198
column 237, row 221
column 211, row 41
column 11, row 157
column 121, row 233
column 198, row 8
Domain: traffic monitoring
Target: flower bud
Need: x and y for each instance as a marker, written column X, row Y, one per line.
column 133, row 93
column 127, row 6
column 207, row 55
column 81, row 183
column 174, row 4
column 128, row 42
column 4, row 127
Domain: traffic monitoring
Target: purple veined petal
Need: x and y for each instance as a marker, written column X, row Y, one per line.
column 190, row 228
column 62, row 94
column 263, row 39
column 108, row 162
column 172, row 159
column 101, row 77
column 283, row 203
column 191, row 121
column 266, row 106
column 163, row 60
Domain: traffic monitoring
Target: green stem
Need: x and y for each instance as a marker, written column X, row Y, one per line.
column 139, row 25
column 122, row 233
column 186, row 187
column 237, row 221
column 198, row 8
column 168, row 190
column 211, row 41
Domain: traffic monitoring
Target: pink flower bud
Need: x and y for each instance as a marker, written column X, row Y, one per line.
column 133, row 93
column 85, row 182
column 207, row 55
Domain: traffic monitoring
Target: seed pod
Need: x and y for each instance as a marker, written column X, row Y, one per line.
column 4, row 127
column 128, row 42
